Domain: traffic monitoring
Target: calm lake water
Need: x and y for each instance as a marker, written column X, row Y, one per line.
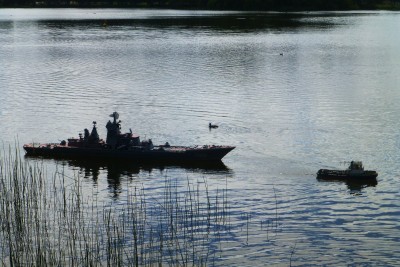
column 293, row 92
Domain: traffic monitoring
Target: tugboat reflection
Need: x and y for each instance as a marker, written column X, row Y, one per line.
column 116, row 171
column 355, row 187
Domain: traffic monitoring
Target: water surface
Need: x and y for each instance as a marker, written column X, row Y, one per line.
column 293, row 92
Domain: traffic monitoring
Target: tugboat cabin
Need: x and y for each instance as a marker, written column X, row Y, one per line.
column 356, row 166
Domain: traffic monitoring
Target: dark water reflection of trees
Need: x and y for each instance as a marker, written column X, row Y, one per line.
column 212, row 4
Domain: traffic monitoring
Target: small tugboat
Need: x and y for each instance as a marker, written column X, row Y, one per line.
column 125, row 146
column 355, row 172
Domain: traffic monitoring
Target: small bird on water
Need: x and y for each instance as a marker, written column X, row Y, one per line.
column 212, row 126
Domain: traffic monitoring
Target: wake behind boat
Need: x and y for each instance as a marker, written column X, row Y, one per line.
column 125, row 146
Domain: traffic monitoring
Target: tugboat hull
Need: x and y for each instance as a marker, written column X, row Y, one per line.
column 346, row 175
column 355, row 173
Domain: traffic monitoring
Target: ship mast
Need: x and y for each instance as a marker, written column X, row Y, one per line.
column 113, row 130
column 115, row 115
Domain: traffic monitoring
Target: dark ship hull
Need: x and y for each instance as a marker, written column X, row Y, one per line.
column 157, row 154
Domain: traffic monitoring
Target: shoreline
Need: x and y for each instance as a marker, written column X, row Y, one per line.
column 213, row 6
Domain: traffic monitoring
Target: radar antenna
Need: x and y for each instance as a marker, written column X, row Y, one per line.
column 115, row 115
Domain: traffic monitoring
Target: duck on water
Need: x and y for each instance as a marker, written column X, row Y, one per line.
column 354, row 172
column 125, row 146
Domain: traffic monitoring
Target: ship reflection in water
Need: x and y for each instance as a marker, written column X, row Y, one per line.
column 117, row 171
column 355, row 186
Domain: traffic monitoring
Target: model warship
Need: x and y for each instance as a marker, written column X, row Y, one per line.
column 125, row 146
column 355, row 171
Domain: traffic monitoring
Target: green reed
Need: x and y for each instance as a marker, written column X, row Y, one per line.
column 46, row 220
